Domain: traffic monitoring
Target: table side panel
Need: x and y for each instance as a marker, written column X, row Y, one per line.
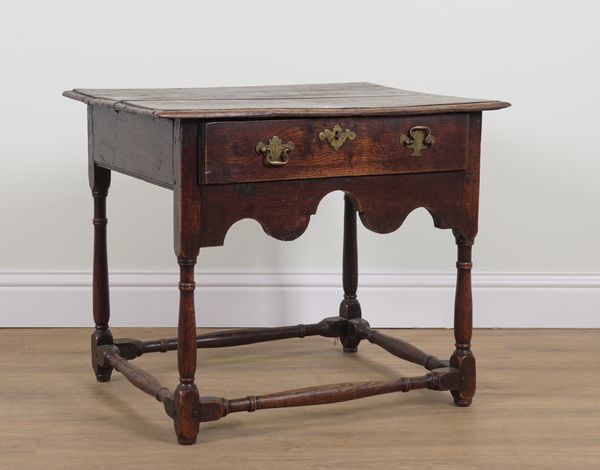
column 230, row 155
column 138, row 146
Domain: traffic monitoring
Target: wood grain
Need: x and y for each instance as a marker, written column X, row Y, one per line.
column 398, row 347
column 334, row 99
column 283, row 208
column 329, row 327
column 323, row 90
column 230, row 154
column 520, row 420
column 139, row 378
column 332, row 393
column 138, row 146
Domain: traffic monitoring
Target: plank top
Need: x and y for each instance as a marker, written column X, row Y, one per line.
column 333, row 99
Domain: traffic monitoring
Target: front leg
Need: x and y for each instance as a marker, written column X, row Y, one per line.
column 187, row 247
column 463, row 358
column 187, row 398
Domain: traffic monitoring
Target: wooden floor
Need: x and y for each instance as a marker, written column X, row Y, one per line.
column 537, row 406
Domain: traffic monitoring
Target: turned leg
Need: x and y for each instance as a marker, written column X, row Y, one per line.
column 350, row 307
column 187, row 399
column 100, row 182
column 463, row 358
column 187, row 217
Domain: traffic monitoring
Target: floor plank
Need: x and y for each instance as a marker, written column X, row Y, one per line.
column 537, row 406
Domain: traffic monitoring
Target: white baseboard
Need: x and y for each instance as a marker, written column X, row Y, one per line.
column 501, row 300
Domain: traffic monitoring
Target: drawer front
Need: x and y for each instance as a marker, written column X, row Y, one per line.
column 237, row 152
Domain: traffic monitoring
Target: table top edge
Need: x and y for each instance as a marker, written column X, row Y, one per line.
column 452, row 105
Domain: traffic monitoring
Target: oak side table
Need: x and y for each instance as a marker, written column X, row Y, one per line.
column 271, row 154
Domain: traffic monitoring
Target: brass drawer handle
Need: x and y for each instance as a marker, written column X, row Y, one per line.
column 275, row 153
column 336, row 137
column 420, row 139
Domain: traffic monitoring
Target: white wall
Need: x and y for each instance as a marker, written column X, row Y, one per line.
column 540, row 195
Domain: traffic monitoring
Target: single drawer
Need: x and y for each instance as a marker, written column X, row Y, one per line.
column 248, row 151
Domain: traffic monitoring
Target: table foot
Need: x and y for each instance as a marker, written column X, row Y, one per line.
column 187, row 423
column 350, row 311
column 463, row 395
column 102, row 370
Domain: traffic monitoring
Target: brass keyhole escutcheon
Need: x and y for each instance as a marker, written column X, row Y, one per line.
column 275, row 153
column 419, row 138
column 336, row 137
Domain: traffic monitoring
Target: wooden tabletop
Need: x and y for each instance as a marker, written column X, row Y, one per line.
column 333, row 99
